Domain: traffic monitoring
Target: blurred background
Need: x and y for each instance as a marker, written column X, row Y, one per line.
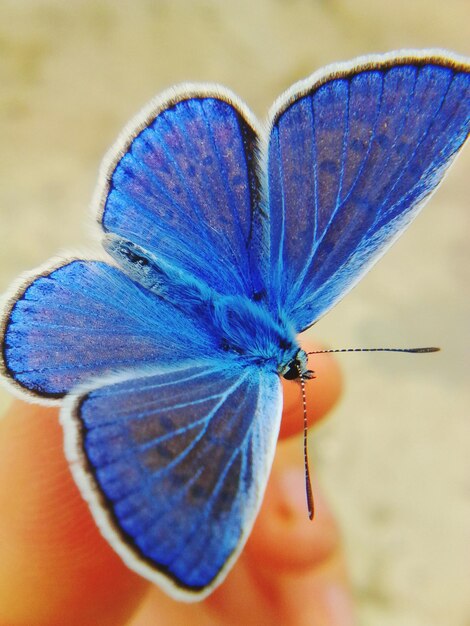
column 394, row 457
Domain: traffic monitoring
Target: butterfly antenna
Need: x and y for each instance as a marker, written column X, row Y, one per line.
column 409, row 350
column 308, row 483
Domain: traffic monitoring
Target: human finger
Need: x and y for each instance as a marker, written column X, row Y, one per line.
column 55, row 567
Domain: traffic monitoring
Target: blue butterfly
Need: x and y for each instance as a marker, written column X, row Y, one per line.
column 228, row 239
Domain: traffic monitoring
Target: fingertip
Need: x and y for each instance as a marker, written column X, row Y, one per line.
column 322, row 392
column 284, row 537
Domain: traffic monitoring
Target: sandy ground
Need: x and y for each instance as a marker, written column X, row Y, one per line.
column 394, row 457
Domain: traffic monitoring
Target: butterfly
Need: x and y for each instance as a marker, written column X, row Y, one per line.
column 225, row 239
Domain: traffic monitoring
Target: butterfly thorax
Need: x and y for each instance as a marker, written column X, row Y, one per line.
column 248, row 329
column 241, row 326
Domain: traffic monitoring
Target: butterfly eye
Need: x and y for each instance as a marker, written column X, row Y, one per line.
column 292, row 371
column 296, row 367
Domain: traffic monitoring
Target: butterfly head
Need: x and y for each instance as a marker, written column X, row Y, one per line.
column 296, row 367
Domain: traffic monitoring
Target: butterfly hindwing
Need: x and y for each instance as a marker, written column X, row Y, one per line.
column 352, row 155
column 174, row 464
column 81, row 319
column 182, row 184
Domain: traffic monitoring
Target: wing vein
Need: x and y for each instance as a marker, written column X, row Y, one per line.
column 413, row 153
column 303, row 274
column 218, row 486
column 228, row 191
column 280, row 258
column 361, row 169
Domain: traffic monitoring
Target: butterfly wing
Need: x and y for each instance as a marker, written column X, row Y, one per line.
column 84, row 318
column 182, row 184
column 353, row 154
column 174, row 464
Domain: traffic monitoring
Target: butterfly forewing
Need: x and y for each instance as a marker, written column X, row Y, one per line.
column 351, row 160
column 184, row 187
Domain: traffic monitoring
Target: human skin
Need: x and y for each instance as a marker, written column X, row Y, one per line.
column 56, row 569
